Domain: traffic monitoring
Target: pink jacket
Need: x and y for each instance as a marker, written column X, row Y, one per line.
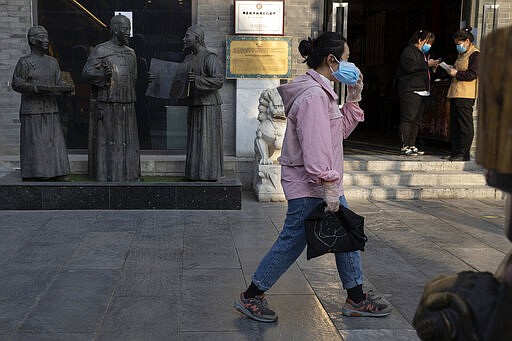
column 313, row 142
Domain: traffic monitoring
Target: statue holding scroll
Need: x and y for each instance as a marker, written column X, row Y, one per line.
column 204, row 121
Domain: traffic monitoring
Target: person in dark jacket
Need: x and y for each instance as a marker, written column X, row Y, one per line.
column 414, row 87
column 462, row 94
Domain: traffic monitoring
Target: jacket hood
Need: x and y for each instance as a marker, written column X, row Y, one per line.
column 296, row 88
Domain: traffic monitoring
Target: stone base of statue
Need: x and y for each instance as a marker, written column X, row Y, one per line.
column 224, row 194
column 267, row 183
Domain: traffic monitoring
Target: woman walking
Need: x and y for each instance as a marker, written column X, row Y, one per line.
column 312, row 171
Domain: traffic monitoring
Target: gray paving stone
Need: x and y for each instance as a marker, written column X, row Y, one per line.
column 13, row 311
column 150, row 283
column 5, row 216
column 31, row 256
column 141, row 259
column 261, row 237
column 67, row 230
column 101, row 250
column 142, row 318
column 75, row 303
column 379, row 335
column 159, row 239
column 208, row 246
column 243, row 335
column 16, row 282
column 481, row 259
column 301, row 317
column 424, row 254
column 216, row 289
column 53, row 337
column 11, row 240
column 27, row 219
column 112, row 221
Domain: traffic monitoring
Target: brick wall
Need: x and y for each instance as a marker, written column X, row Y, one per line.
column 505, row 13
column 217, row 16
column 15, row 20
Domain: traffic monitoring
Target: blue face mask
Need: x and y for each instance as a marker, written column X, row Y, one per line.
column 425, row 48
column 347, row 73
column 461, row 48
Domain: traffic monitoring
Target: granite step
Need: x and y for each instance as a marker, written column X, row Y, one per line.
column 413, row 178
column 422, row 192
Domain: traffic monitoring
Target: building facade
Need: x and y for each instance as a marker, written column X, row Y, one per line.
column 376, row 32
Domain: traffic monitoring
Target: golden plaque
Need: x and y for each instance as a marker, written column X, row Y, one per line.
column 258, row 57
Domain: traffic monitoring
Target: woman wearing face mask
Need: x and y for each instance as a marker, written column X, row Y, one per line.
column 462, row 94
column 312, row 171
column 414, row 87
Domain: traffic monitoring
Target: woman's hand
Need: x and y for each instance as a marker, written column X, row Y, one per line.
column 331, row 196
column 433, row 62
column 452, row 72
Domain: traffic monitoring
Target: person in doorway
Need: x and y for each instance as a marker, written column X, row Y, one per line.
column 462, row 94
column 205, row 156
column 414, row 87
column 43, row 154
column 312, row 171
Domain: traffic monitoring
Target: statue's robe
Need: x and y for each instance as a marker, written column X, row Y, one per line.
column 205, row 155
column 43, row 151
column 114, row 152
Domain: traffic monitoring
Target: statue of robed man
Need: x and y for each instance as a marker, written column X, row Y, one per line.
column 204, row 120
column 43, row 154
column 111, row 69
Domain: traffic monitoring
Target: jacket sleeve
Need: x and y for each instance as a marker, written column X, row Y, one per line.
column 472, row 72
column 410, row 63
column 314, row 134
column 352, row 115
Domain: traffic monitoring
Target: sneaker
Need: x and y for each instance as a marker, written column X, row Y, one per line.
column 417, row 151
column 370, row 307
column 255, row 308
column 408, row 151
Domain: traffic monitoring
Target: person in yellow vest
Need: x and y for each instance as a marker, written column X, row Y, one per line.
column 462, row 94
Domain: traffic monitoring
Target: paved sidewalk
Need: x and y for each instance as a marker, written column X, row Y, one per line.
column 173, row 275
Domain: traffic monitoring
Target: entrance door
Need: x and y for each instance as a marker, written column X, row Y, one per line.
column 377, row 32
column 76, row 26
column 336, row 19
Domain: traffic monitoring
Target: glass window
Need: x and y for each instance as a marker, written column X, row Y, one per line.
column 76, row 26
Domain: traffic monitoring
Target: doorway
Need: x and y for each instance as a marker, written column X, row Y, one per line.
column 377, row 32
column 76, row 26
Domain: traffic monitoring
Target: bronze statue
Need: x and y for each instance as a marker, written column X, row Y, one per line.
column 111, row 69
column 204, row 122
column 37, row 77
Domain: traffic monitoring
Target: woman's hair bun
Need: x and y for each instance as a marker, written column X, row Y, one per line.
column 305, row 47
column 468, row 28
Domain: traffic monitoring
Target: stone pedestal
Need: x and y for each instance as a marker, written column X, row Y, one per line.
column 267, row 183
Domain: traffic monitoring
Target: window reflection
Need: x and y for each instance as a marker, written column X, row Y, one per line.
column 76, row 26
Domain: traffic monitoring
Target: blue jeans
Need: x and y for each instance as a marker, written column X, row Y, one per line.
column 292, row 241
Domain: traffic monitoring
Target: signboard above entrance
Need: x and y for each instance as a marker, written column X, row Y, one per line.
column 258, row 57
column 259, row 17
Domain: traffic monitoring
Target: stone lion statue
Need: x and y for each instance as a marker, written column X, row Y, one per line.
column 270, row 132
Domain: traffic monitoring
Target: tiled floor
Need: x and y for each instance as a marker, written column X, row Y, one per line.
column 173, row 275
